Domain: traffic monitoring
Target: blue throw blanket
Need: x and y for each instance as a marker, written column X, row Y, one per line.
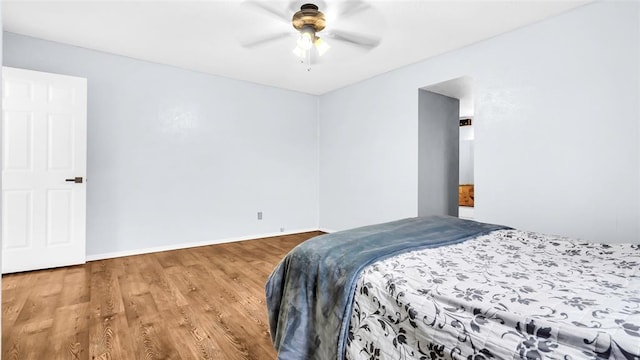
column 310, row 293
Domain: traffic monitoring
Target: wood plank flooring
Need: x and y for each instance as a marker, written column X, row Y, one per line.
column 199, row 303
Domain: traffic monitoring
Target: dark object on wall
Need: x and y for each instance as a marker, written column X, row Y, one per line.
column 465, row 122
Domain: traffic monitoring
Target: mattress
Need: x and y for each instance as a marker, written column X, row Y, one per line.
column 310, row 292
column 508, row 294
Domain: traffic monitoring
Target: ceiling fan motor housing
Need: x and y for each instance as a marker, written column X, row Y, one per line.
column 308, row 16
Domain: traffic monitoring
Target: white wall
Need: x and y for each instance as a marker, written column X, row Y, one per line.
column 466, row 154
column 177, row 157
column 556, row 130
column 556, row 146
column 638, row 103
column 368, row 153
column 466, row 162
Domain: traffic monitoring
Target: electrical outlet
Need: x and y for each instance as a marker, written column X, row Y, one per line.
column 281, row 229
column 259, row 215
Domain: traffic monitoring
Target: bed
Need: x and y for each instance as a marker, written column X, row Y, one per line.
column 446, row 288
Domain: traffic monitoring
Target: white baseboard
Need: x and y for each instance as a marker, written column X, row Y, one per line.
column 117, row 254
column 328, row 231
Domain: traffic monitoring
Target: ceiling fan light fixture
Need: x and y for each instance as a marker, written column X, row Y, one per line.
column 299, row 52
column 321, row 46
column 309, row 21
column 308, row 16
column 306, row 39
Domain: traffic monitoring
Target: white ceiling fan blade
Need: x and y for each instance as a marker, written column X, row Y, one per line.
column 265, row 40
column 352, row 7
column 357, row 39
column 269, row 9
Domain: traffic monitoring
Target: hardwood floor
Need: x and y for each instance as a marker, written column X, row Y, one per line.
column 199, row 303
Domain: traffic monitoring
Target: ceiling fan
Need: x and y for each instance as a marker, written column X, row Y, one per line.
column 309, row 21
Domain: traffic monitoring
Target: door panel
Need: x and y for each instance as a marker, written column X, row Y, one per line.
column 19, row 152
column 44, row 143
column 16, row 232
column 60, row 142
column 59, row 217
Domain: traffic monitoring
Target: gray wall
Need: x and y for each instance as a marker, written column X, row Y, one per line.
column 438, row 141
column 1, row 167
column 556, row 130
column 178, row 157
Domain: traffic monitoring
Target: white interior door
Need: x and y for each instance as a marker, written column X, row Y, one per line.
column 44, row 129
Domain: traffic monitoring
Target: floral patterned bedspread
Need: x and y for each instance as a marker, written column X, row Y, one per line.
column 506, row 295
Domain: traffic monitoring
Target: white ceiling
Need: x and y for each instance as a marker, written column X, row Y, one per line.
column 208, row 36
column 461, row 89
